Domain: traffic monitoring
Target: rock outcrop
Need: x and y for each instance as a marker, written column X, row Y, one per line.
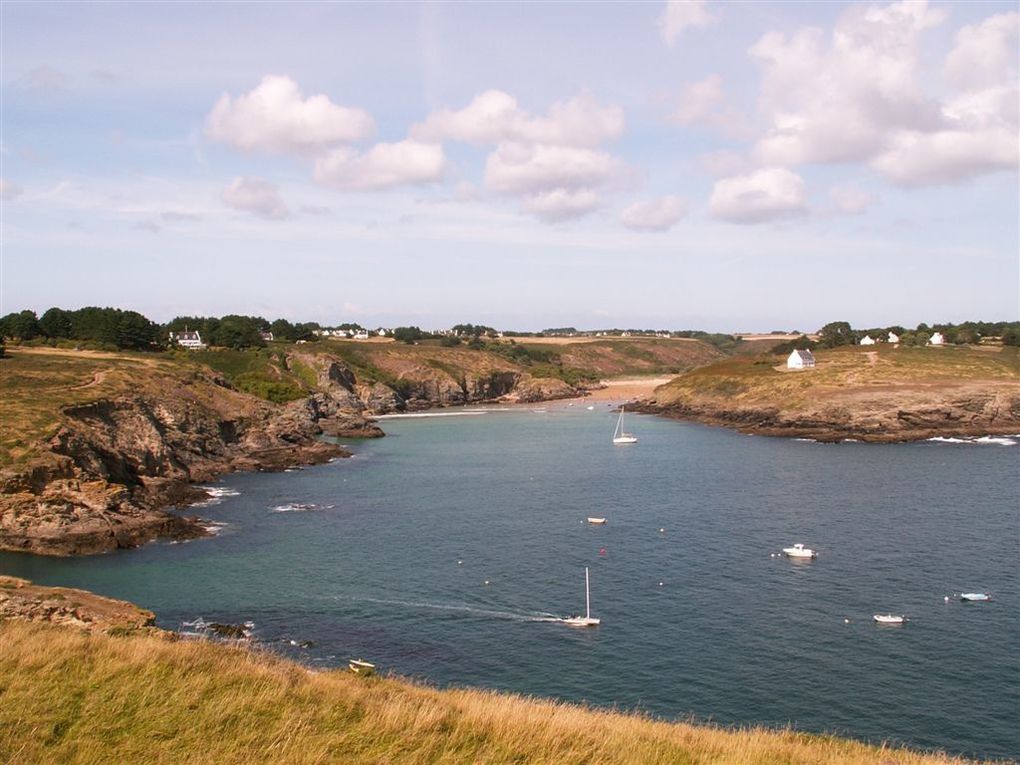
column 115, row 463
column 22, row 600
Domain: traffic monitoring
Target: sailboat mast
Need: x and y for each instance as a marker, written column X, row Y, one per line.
column 587, row 595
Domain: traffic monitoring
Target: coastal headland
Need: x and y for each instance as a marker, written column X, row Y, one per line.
column 879, row 394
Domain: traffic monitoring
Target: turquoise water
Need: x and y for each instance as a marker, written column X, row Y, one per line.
column 386, row 556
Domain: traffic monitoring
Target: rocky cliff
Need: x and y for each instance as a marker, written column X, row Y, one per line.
column 101, row 481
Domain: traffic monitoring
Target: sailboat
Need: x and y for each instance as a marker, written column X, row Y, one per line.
column 587, row 620
column 621, row 437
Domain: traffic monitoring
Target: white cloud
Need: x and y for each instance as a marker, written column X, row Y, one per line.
column 45, row 79
column 948, row 156
column 516, row 168
column 985, row 53
column 723, row 162
column 679, row 15
column 764, row 195
column 255, row 196
column 384, row 166
column 275, row 117
column 9, row 190
column 850, row 200
column 560, row 204
column 704, row 103
column 699, row 100
column 655, row 214
column 979, row 136
column 494, row 117
column 837, row 99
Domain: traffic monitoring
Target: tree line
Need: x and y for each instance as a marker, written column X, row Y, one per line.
column 130, row 330
column 839, row 333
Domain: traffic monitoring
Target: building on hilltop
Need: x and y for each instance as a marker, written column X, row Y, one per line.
column 937, row 339
column 800, row 360
column 893, row 337
column 866, row 340
column 187, row 339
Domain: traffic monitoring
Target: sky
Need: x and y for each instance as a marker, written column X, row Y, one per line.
column 726, row 166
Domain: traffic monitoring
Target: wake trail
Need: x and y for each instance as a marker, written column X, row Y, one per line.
column 470, row 610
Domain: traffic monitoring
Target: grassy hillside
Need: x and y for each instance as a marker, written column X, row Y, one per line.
column 764, row 380
column 877, row 394
column 36, row 383
column 71, row 697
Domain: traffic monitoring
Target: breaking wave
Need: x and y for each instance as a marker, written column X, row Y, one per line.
column 1011, row 440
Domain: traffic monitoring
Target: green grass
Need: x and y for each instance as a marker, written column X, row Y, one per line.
column 70, row 697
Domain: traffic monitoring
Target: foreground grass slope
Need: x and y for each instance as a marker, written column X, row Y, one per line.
column 68, row 696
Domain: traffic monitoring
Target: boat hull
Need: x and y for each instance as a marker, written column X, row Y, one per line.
column 889, row 619
column 582, row 621
column 624, row 440
column 975, row 597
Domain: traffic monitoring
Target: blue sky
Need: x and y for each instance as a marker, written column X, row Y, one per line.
column 724, row 166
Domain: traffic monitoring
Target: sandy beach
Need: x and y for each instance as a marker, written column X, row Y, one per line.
column 625, row 389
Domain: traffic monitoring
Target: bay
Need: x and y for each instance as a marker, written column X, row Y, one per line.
column 446, row 551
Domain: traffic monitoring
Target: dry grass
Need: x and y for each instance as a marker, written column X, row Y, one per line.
column 845, row 371
column 69, row 697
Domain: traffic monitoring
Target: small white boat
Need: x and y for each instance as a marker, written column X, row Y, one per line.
column 621, row 437
column 799, row 551
column 596, row 521
column 361, row 667
column 889, row 618
column 587, row 620
column 974, row 597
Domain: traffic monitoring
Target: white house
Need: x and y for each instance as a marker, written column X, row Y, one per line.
column 266, row 336
column 800, row 360
column 866, row 340
column 362, row 335
column 937, row 339
column 893, row 337
column 186, row 339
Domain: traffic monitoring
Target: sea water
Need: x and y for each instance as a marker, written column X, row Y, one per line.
column 448, row 550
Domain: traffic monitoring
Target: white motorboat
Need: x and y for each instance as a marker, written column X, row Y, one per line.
column 799, row 551
column 587, row 620
column 596, row 521
column 975, row 597
column 361, row 667
column 620, row 436
column 889, row 618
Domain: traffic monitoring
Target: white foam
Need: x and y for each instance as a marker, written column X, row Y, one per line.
column 983, row 440
column 216, row 495
column 299, row 507
column 214, row 527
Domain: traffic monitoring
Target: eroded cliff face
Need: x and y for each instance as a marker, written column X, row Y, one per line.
column 115, row 463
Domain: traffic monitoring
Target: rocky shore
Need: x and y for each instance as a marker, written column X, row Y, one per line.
column 22, row 600
column 105, row 476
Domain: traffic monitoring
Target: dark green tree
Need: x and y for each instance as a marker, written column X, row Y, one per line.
column 836, row 333
column 56, row 322
column 22, row 325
